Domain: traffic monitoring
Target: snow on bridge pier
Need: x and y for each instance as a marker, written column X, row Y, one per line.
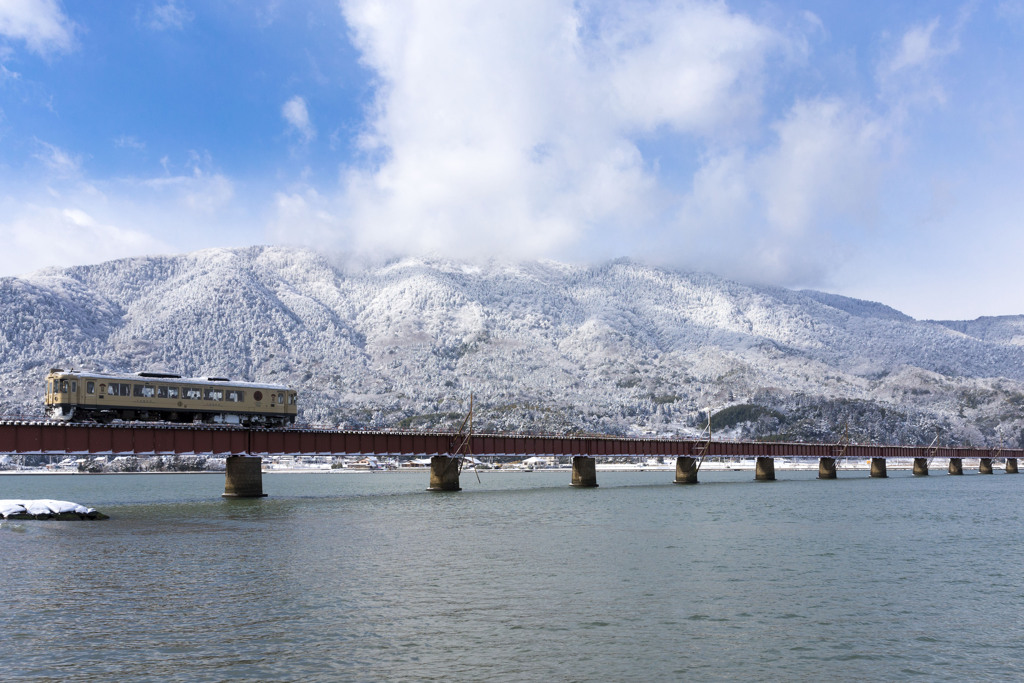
column 244, row 448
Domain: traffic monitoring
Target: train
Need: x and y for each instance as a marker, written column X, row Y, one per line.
column 75, row 396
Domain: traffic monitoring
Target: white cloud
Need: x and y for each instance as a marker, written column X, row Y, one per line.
column 169, row 15
column 789, row 210
column 6, row 74
column 910, row 74
column 129, row 142
column 917, row 48
column 204, row 192
column 1011, row 11
column 40, row 236
column 296, row 114
column 696, row 70
column 39, row 23
column 61, row 216
column 57, row 160
column 310, row 210
column 513, row 128
column 826, row 161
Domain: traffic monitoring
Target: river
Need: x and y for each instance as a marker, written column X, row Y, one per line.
column 519, row 577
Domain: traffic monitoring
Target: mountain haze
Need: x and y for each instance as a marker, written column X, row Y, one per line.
column 543, row 346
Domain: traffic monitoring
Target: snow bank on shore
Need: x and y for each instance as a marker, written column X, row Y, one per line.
column 46, row 509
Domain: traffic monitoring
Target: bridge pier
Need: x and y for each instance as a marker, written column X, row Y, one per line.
column 243, row 477
column 1011, row 465
column 826, row 468
column 764, row 469
column 444, row 473
column 920, row 467
column 984, row 465
column 686, row 470
column 584, row 472
column 956, row 466
column 878, row 468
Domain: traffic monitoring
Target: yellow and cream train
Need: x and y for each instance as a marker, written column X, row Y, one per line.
column 152, row 396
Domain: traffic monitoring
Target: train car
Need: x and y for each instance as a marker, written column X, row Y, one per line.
column 151, row 396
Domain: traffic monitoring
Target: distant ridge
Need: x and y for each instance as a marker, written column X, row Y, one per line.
column 616, row 348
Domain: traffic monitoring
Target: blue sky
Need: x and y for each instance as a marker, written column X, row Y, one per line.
column 872, row 149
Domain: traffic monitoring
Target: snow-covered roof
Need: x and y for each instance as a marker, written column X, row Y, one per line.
column 126, row 377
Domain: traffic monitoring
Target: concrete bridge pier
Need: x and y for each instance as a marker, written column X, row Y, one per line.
column 584, row 472
column 1011, row 465
column 984, row 465
column 826, row 468
column 956, row 466
column 878, row 468
column 764, row 469
column 243, row 477
column 920, row 467
column 686, row 470
column 444, row 473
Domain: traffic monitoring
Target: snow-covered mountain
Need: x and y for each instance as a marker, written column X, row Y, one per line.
column 543, row 346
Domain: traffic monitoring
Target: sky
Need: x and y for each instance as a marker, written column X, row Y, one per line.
column 871, row 149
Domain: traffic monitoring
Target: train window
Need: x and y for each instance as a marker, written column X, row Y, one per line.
column 161, row 392
column 90, row 387
column 280, row 399
column 236, row 396
column 213, row 395
column 192, row 393
column 291, row 399
column 114, row 389
column 64, row 386
column 139, row 390
column 74, row 387
column 172, row 392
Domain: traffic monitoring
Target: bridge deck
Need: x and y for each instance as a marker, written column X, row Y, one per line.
column 30, row 437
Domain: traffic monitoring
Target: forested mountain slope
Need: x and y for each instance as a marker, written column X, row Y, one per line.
column 544, row 346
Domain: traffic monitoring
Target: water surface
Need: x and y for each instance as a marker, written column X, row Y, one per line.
column 517, row 577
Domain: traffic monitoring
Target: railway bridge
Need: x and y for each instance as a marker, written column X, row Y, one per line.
column 244, row 448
